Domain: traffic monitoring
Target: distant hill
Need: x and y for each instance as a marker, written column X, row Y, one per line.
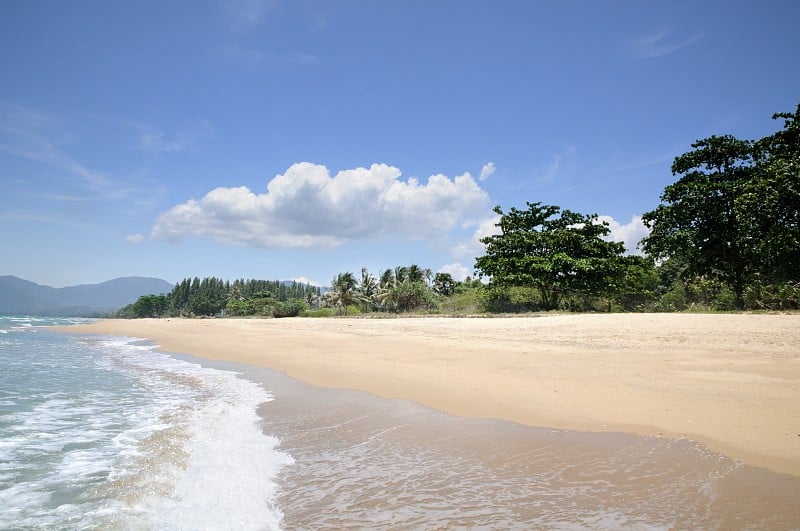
column 19, row 296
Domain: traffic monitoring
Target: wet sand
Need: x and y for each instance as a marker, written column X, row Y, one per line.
column 730, row 381
column 361, row 461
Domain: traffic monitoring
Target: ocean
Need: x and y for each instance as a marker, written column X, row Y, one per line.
column 110, row 433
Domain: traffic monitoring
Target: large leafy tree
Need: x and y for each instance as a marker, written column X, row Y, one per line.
column 770, row 202
column 697, row 220
column 734, row 212
column 558, row 252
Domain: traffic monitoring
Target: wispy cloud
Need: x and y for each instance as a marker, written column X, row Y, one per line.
column 134, row 239
column 24, row 133
column 557, row 166
column 487, row 170
column 156, row 141
column 663, row 43
column 152, row 138
column 48, row 219
column 50, row 141
column 247, row 14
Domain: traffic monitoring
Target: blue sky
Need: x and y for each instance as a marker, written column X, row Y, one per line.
column 298, row 139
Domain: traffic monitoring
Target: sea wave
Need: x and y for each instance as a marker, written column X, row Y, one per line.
column 134, row 439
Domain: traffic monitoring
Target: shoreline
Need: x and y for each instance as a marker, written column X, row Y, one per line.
column 731, row 381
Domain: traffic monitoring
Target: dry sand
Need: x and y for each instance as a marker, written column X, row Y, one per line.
column 730, row 381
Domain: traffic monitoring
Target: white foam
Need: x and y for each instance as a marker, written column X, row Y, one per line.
column 179, row 448
column 227, row 479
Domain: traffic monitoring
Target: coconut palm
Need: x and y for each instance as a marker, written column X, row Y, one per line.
column 387, row 279
column 342, row 293
column 414, row 273
column 368, row 290
column 400, row 274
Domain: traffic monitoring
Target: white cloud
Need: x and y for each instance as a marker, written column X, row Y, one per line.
column 487, row 170
column 473, row 247
column 457, row 271
column 630, row 233
column 306, row 207
column 134, row 239
column 663, row 43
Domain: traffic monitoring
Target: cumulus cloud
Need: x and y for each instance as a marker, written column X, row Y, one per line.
column 307, row 207
column 134, row 239
column 629, row 233
column 473, row 247
column 487, row 170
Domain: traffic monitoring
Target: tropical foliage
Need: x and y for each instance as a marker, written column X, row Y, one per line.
column 402, row 289
column 733, row 215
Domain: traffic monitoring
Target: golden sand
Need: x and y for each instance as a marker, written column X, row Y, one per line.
column 730, row 381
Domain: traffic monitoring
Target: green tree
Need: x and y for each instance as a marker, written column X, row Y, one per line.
column 698, row 220
column 342, row 293
column 368, row 290
column 443, row 284
column 557, row 252
column 410, row 296
column 770, row 202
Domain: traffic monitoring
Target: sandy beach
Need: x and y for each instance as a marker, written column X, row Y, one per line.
column 729, row 381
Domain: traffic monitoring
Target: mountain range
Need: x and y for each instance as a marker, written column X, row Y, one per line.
column 23, row 297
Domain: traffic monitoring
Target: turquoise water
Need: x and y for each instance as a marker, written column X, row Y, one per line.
column 108, row 433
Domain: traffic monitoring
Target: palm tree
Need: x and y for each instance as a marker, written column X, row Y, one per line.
column 386, row 285
column 367, row 290
column 400, row 274
column 387, row 279
column 414, row 274
column 342, row 292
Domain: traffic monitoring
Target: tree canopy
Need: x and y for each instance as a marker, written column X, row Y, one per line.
column 557, row 251
column 734, row 212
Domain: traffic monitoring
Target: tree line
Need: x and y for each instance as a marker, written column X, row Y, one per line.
column 212, row 296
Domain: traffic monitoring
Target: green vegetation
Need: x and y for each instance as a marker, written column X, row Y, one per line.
column 213, row 296
column 726, row 236
column 557, row 252
column 733, row 216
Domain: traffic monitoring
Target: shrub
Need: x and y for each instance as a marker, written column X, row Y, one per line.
column 290, row 308
column 318, row 312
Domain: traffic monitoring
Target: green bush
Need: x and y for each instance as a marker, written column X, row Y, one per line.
column 318, row 312
column 511, row 299
column 290, row 308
